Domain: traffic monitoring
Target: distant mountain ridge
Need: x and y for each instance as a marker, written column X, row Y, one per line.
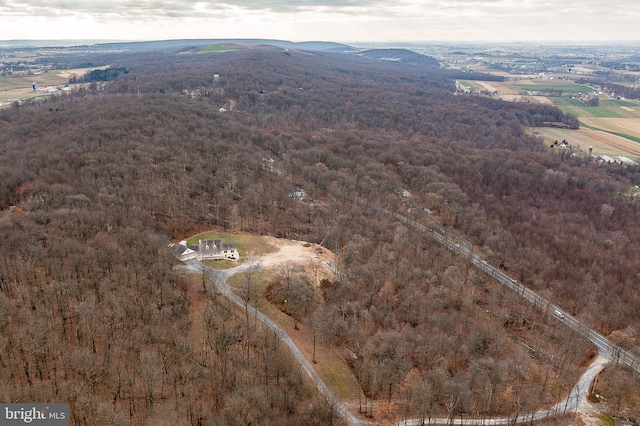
column 24, row 43
column 171, row 46
column 400, row 55
column 174, row 45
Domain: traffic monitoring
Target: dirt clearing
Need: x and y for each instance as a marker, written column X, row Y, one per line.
column 330, row 361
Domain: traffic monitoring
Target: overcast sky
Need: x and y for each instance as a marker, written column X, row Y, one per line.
column 330, row 20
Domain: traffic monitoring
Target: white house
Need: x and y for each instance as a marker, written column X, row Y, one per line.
column 206, row 250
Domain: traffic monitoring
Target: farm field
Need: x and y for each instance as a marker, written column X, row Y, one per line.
column 612, row 127
column 482, row 67
column 607, row 108
column 522, row 86
column 504, row 91
column 567, row 87
column 19, row 87
column 620, row 126
column 603, row 143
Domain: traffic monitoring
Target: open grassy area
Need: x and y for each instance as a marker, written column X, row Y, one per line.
column 259, row 280
column 626, row 103
column 607, row 420
column 607, row 108
column 567, row 87
column 572, row 101
column 216, row 48
column 602, row 111
column 246, row 243
column 568, row 108
column 223, row 263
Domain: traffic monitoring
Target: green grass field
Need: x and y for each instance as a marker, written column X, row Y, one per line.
column 574, row 102
column 216, row 48
column 623, row 109
column 569, row 106
column 567, row 87
column 602, row 111
column 627, row 103
column 245, row 243
column 608, row 108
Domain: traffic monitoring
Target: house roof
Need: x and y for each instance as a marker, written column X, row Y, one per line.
column 216, row 245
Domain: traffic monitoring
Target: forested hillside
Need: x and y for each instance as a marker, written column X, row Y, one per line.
column 94, row 185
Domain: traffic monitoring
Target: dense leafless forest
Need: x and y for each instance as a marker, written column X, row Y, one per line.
column 95, row 184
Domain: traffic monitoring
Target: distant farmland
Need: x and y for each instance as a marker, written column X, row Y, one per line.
column 603, row 143
column 610, row 108
column 20, row 86
column 612, row 127
column 567, row 87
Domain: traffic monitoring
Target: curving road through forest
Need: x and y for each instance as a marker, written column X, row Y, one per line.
column 457, row 245
column 575, row 401
column 220, row 277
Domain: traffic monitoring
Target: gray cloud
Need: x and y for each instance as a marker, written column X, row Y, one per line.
column 174, row 8
column 384, row 19
column 183, row 8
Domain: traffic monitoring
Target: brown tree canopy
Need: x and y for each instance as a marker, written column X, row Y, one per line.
column 94, row 185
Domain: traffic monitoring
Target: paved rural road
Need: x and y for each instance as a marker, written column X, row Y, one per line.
column 570, row 404
column 220, row 279
column 613, row 352
column 575, row 401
